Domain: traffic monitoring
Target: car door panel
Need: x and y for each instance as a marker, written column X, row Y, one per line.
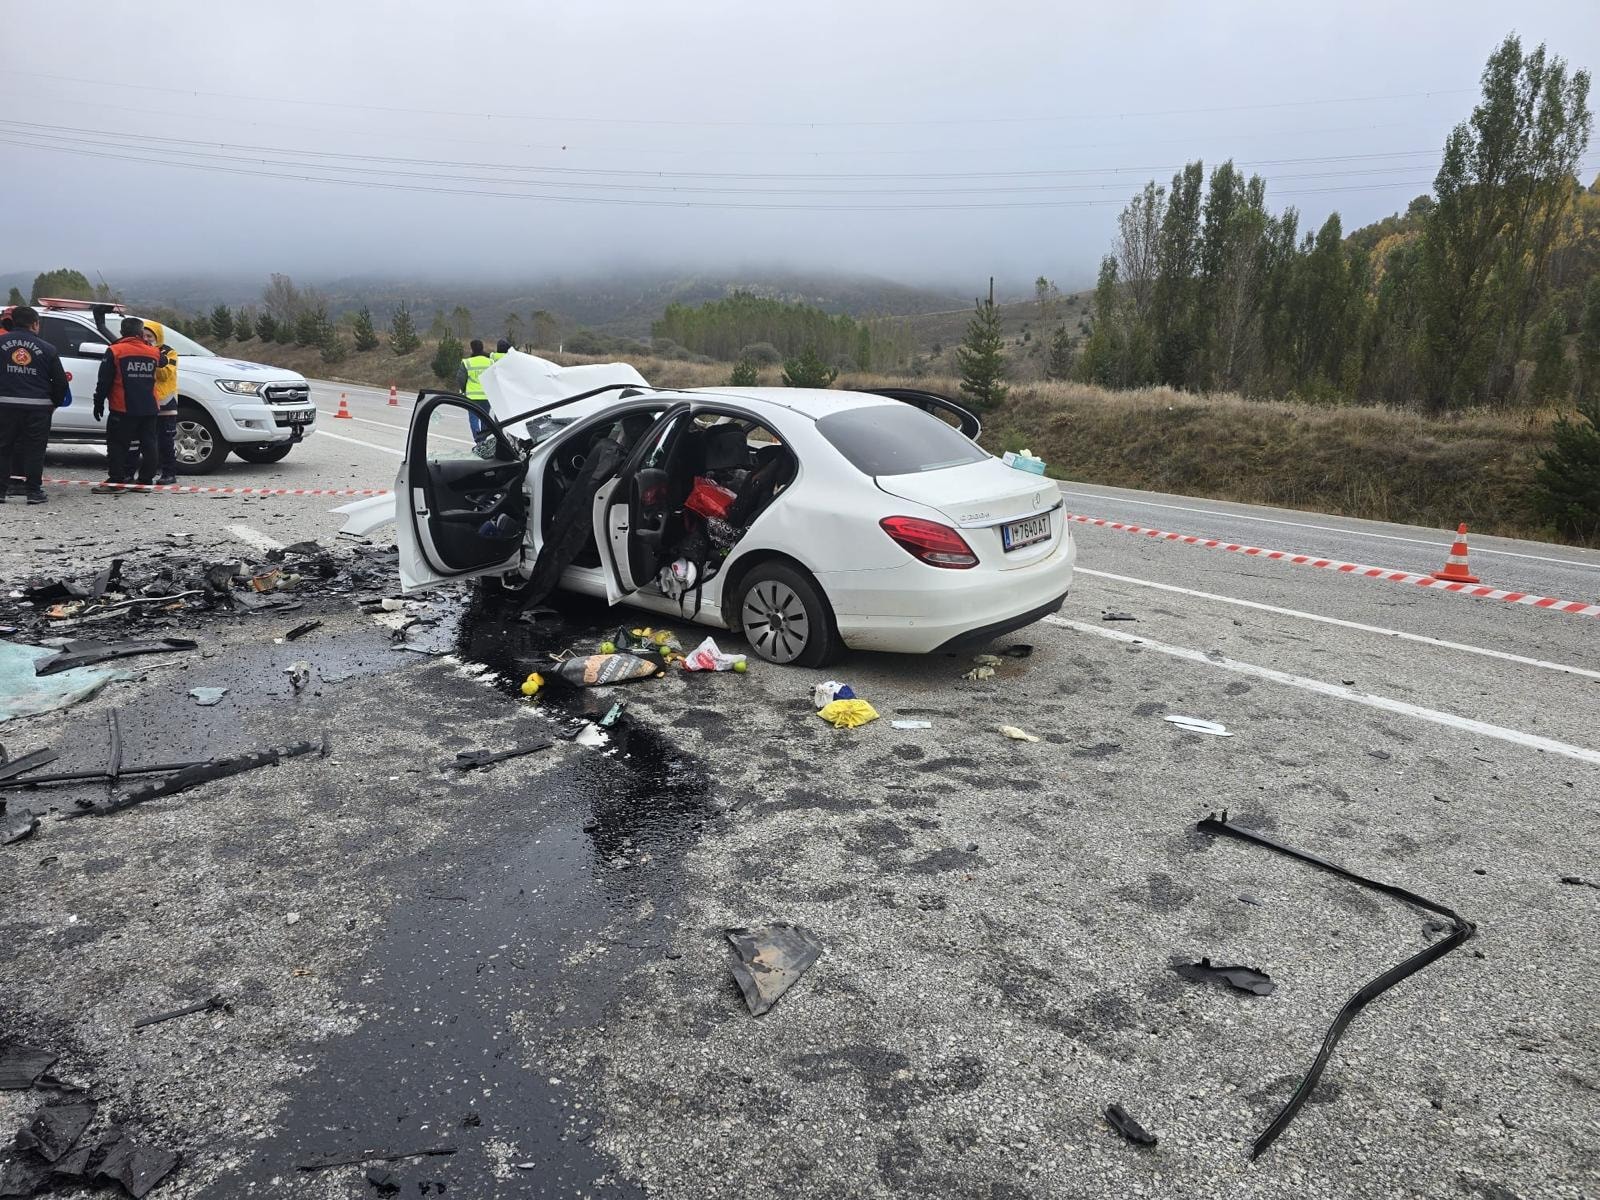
column 461, row 511
column 621, row 511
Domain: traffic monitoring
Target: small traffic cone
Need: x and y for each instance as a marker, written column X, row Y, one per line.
column 1455, row 566
column 394, row 397
column 344, row 410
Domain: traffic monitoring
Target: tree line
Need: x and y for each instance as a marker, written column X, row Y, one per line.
column 1470, row 297
column 745, row 326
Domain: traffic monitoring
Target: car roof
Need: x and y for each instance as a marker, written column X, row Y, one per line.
column 815, row 403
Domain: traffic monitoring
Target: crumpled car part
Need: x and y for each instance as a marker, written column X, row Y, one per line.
column 222, row 768
column 56, row 1128
column 769, row 960
column 21, row 1066
column 1127, row 1126
column 25, row 692
column 1462, row 930
column 85, row 653
column 1245, row 979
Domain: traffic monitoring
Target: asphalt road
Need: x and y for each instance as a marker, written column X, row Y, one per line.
column 999, row 917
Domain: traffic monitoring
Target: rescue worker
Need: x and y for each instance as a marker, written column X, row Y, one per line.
column 469, row 381
column 33, row 384
column 127, row 384
column 501, row 349
column 166, row 401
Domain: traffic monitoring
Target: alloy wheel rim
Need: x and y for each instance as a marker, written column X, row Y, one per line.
column 194, row 444
column 775, row 621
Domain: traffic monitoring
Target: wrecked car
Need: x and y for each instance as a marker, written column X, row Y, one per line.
column 807, row 520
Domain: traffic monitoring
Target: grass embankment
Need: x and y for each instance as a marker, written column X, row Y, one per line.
column 1379, row 463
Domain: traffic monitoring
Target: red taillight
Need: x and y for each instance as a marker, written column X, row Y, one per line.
column 935, row 544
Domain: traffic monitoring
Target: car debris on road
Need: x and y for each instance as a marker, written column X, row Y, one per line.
column 768, row 960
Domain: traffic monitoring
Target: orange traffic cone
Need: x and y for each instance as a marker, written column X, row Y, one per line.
column 394, row 397
column 344, row 410
column 1455, row 566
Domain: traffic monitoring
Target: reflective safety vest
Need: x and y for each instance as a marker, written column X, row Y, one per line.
column 496, row 355
column 476, row 366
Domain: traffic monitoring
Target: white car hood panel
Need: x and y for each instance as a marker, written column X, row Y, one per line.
column 519, row 382
column 977, row 494
column 363, row 516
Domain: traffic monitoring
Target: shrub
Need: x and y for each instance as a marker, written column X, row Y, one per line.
column 403, row 337
column 366, row 336
column 745, row 374
column 447, row 358
column 333, row 348
column 762, row 354
column 1566, row 486
column 807, row 370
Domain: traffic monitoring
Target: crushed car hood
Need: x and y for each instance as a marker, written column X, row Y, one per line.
column 980, row 493
column 519, row 382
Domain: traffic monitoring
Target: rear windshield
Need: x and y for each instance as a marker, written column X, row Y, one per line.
column 896, row 439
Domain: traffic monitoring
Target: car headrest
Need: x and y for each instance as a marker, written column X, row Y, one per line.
column 726, row 448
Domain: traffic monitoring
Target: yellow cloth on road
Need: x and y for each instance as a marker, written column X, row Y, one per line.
column 847, row 714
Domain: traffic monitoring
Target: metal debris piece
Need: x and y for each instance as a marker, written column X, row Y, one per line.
column 17, row 826
column 322, row 1164
column 21, row 1066
column 1128, row 1127
column 767, row 961
column 1463, row 930
column 1244, row 979
column 31, row 781
column 299, row 631
column 1198, row 725
column 470, row 760
column 85, row 653
column 208, row 1005
column 56, row 1128
column 194, row 776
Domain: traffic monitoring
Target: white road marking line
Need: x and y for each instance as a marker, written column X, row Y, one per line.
column 254, row 537
column 358, row 442
column 1388, row 537
column 1307, row 616
column 1339, row 692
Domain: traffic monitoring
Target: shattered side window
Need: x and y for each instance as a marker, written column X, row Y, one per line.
column 456, row 432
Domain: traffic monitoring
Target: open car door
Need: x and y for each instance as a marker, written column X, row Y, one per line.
column 946, row 409
column 460, row 509
column 634, row 511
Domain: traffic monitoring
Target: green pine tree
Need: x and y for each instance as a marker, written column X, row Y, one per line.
column 16, row 297
column 403, row 337
column 266, row 327
column 1589, row 340
column 221, row 323
column 64, row 284
column 979, row 357
column 366, row 336
column 1552, row 374
column 447, row 357
column 807, row 370
column 332, row 346
column 1060, row 362
column 745, row 374
column 244, row 325
column 1566, row 485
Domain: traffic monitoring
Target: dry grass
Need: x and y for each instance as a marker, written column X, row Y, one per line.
column 1379, row 463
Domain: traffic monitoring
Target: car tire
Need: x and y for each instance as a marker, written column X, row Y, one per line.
column 264, row 454
column 785, row 617
column 201, row 449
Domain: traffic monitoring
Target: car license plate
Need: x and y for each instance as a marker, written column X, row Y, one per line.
column 302, row 417
column 1025, row 533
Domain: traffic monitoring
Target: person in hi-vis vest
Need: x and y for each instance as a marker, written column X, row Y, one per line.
column 469, row 381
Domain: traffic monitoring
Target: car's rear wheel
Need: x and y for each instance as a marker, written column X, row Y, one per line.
column 785, row 617
column 200, row 447
column 264, row 454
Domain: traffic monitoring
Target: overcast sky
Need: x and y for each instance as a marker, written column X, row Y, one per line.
column 649, row 134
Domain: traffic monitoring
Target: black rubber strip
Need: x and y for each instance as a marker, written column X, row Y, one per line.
column 1462, row 930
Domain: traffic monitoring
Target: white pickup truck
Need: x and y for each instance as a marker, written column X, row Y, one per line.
column 225, row 405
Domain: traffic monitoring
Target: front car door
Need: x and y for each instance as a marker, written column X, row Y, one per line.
column 460, row 506
column 82, row 350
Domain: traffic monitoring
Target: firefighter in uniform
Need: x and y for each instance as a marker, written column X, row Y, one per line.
column 33, row 384
column 127, row 384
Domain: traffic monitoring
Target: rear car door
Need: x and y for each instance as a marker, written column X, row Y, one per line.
column 460, row 506
column 632, row 511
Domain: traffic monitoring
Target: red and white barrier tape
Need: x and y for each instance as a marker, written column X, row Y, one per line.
column 188, row 490
column 1346, row 568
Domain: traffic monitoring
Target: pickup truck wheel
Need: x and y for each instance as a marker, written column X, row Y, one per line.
column 785, row 617
column 264, row 454
column 201, row 449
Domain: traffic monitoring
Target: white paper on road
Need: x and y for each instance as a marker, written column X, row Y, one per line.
column 519, row 382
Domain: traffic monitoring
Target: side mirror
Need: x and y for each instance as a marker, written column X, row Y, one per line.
column 92, row 349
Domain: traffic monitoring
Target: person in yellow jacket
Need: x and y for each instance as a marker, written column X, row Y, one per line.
column 469, row 381
column 166, row 401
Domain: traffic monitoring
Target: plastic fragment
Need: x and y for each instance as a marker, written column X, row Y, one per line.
column 1117, row 616
column 1579, row 881
column 85, row 653
column 299, row 673
column 980, row 672
column 1015, row 734
column 138, row 1168
column 299, row 631
column 1244, row 979
column 847, row 714
column 1128, row 1127
column 30, row 761
column 767, row 961
column 912, row 724
column 1198, row 725
column 612, row 714
column 21, row 1066
column 469, row 760
column 707, row 657
column 352, row 1160
column 189, row 777
column 205, row 697
column 56, row 1128
column 211, row 1004
column 17, row 826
